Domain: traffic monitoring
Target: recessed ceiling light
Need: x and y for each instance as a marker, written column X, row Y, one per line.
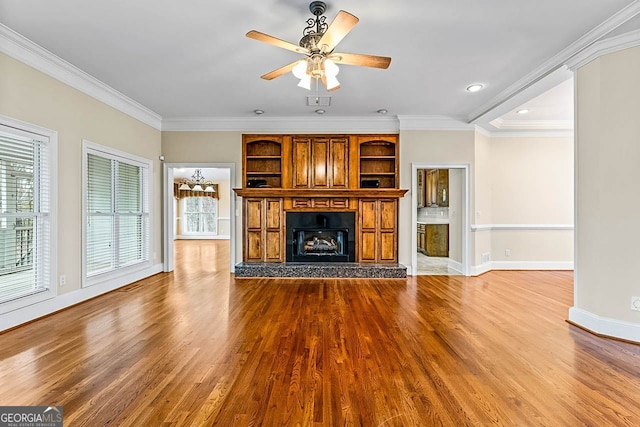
column 523, row 111
column 382, row 111
column 320, row 111
column 258, row 112
column 475, row 87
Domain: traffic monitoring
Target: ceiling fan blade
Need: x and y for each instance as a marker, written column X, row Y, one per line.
column 340, row 27
column 262, row 37
column 361, row 60
column 280, row 71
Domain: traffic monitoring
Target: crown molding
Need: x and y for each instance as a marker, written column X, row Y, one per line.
column 533, row 134
column 315, row 124
column 557, row 61
column 603, row 47
column 482, row 131
column 525, row 133
column 24, row 50
column 408, row 122
column 500, row 123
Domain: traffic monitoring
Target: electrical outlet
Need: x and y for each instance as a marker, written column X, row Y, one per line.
column 63, row 279
column 635, row 303
column 507, row 252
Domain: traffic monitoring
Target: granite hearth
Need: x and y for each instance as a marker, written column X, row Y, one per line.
column 321, row 270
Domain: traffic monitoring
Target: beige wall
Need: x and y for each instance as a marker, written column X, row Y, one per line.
column 31, row 96
column 208, row 147
column 608, row 151
column 532, row 183
column 481, row 203
column 436, row 147
column 456, row 193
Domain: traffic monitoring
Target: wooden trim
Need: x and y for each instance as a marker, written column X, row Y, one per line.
column 365, row 193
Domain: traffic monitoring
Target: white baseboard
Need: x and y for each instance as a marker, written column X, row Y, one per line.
column 197, row 237
column 32, row 312
column 532, row 265
column 479, row 269
column 455, row 265
column 605, row 326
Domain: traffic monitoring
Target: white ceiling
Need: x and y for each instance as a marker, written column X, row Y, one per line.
column 192, row 59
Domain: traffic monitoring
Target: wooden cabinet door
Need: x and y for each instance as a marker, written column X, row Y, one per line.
column 368, row 213
column 273, row 230
column 264, row 230
column 437, row 240
column 253, row 230
column 339, row 162
column 387, row 230
column 378, row 230
column 301, row 161
column 320, row 163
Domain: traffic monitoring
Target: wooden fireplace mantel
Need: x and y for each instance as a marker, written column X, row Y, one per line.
column 364, row 193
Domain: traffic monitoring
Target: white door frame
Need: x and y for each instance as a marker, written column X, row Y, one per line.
column 167, row 206
column 466, row 228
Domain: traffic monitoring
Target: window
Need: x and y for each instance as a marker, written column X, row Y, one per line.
column 199, row 215
column 116, row 200
column 26, row 200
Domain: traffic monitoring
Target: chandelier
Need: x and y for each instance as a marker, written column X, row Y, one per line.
column 196, row 182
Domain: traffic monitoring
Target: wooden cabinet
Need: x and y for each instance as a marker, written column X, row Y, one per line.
column 378, row 235
column 320, row 162
column 437, row 240
column 378, row 155
column 435, row 187
column 420, row 197
column 318, row 173
column 263, row 159
column 264, row 230
column 422, row 239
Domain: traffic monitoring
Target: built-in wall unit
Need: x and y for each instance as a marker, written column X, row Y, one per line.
column 320, row 205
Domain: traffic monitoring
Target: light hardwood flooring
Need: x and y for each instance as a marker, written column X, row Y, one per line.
column 196, row 347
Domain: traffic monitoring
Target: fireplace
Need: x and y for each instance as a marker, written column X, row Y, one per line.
column 320, row 236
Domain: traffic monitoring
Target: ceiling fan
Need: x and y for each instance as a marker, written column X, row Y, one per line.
column 318, row 43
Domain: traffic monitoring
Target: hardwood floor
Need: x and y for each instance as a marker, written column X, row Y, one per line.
column 196, row 347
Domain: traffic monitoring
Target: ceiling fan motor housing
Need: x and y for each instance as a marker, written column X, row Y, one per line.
column 310, row 42
column 317, row 7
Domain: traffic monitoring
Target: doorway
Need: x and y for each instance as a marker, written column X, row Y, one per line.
column 440, row 219
column 196, row 213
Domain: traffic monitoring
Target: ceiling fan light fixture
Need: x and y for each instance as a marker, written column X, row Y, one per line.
column 332, row 82
column 300, row 69
column 330, row 68
column 305, row 82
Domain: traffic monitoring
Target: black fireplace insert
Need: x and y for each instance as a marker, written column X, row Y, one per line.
column 320, row 236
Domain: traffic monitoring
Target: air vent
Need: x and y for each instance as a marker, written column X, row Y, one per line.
column 318, row 101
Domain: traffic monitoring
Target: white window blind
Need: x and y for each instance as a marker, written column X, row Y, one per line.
column 25, row 229
column 117, row 213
